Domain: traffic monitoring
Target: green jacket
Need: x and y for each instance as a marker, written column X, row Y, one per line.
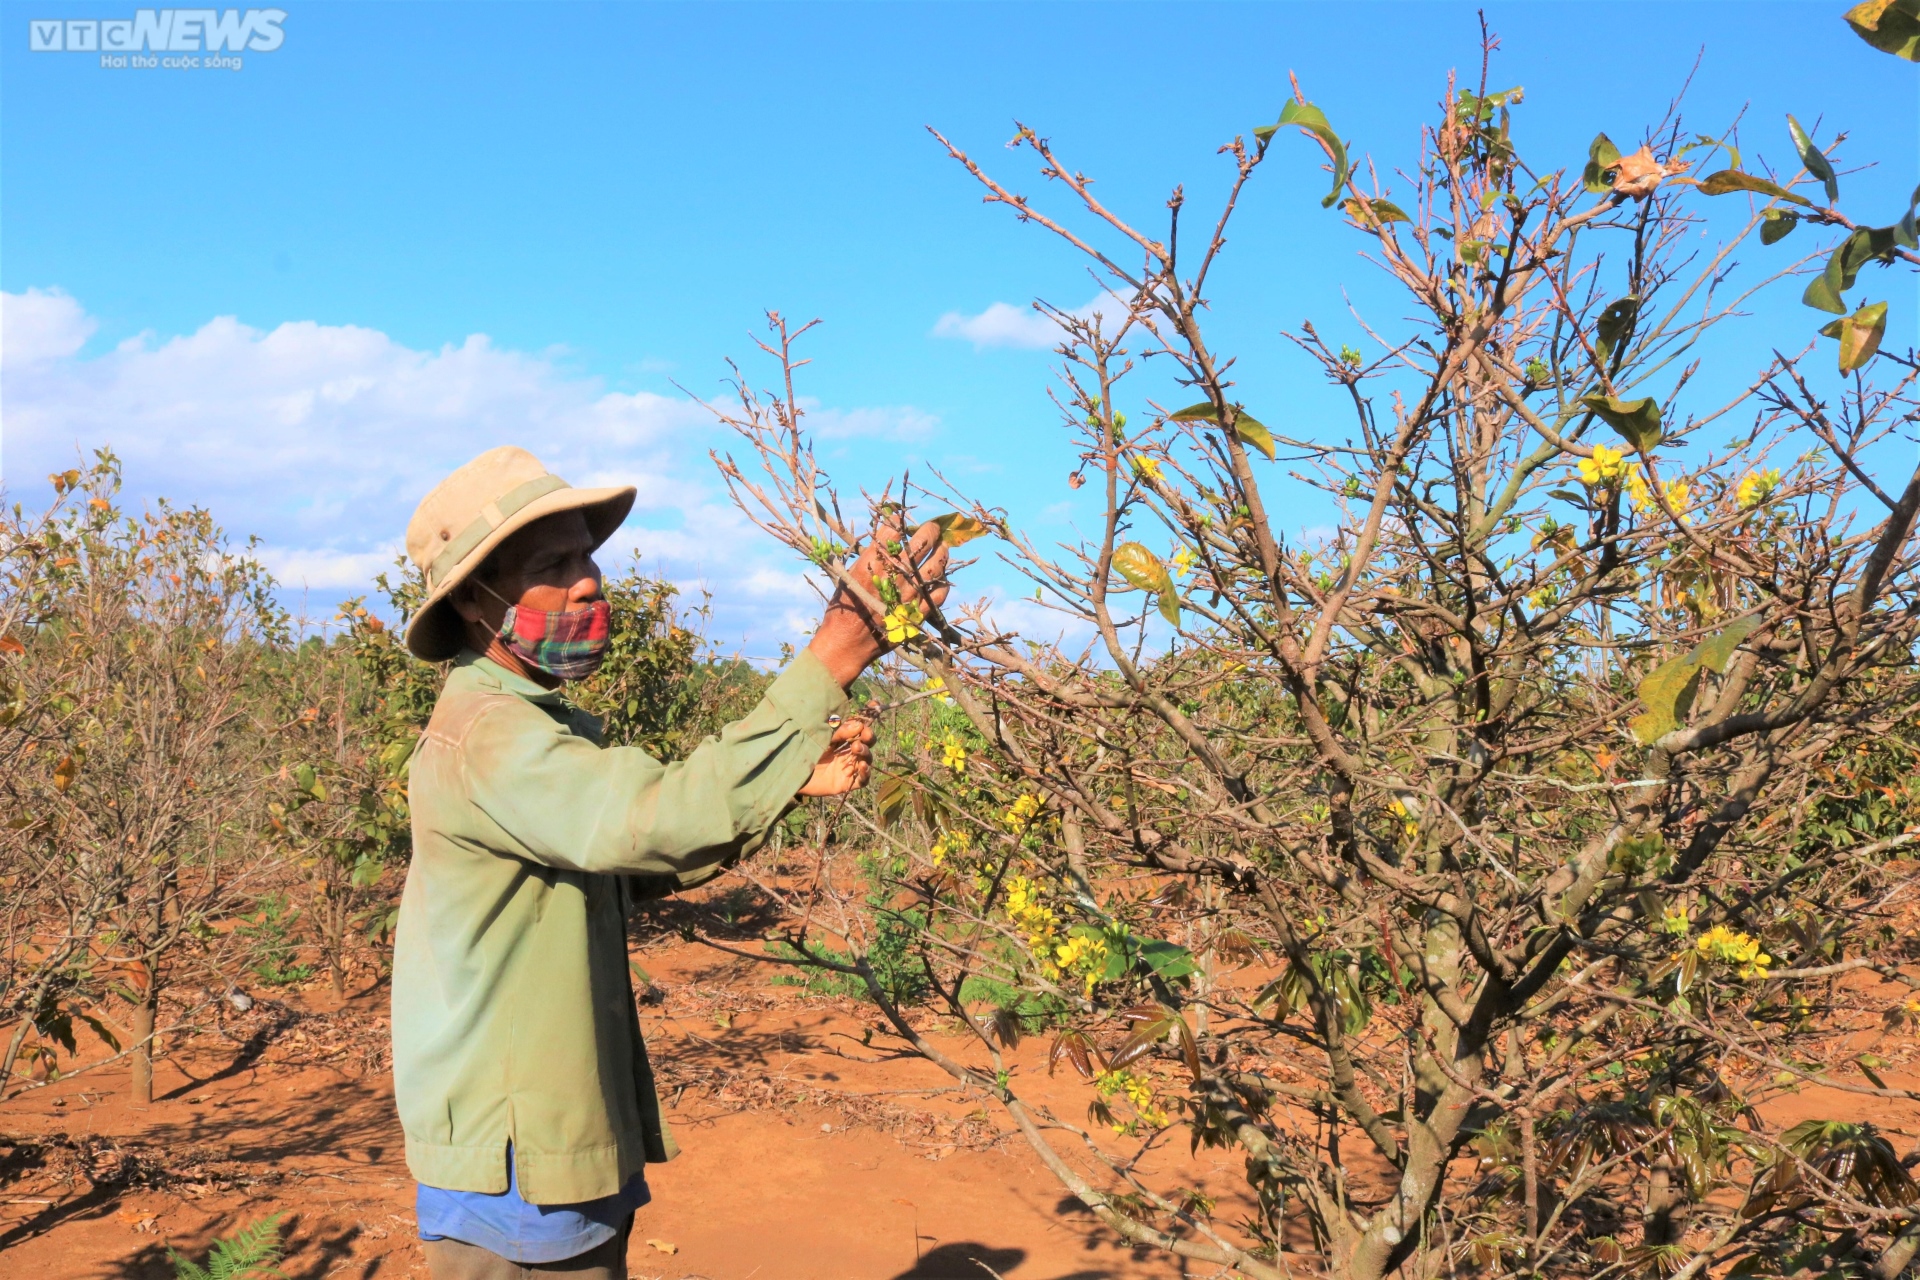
column 513, row 1013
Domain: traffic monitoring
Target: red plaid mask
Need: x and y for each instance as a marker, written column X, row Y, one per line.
column 567, row 644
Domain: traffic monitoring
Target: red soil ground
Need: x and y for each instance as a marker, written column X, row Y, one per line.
column 808, row 1154
column 813, row 1150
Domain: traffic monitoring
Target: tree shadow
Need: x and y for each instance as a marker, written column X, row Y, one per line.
column 244, row 1059
column 961, row 1261
column 93, row 1203
column 736, row 913
column 310, row 1257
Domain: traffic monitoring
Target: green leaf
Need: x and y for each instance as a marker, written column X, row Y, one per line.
column 956, row 529
column 1616, row 325
column 1310, row 118
column 1730, row 180
column 1169, row 603
column 1170, row 960
column 1668, row 695
column 1668, row 691
column 1141, row 568
column 1252, row 431
column 1717, row 652
column 1373, row 209
column 1637, row 421
column 1866, row 244
column 1779, row 224
column 1860, row 335
column 1811, row 157
column 1822, row 293
column 1602, row 156
column 1249, row 429
column 1904, row 231
column 1891, row 26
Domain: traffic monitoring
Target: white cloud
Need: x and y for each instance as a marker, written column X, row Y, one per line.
column 886, row 422
column 321, row 439
column 41, row 325
column 317, row 567
column 1004, row 325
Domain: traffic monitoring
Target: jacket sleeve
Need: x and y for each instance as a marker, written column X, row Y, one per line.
column 560, row 800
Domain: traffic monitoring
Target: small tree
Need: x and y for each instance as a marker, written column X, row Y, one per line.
column 136, row 782
column 1538, row 778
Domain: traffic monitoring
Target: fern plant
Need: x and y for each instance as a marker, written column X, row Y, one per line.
column 248, row 1254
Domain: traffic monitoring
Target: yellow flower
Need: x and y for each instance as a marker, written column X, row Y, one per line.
column 955, row 843
column 1407, row 819
column 954, row 753
column 1146, row 468
column 1137, row 1090
column 1756, row 487
column 1732, row 947
column 1028, row 911
column 903, row 623
column 938, row 688
column 1022, row 814
column 1641, row 492
column 1605, row 465
column 1675, row 922
column 1183, row 561
column 1088, row 955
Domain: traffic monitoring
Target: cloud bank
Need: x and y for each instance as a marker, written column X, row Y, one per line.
column 321, row 438
column 1003, row 324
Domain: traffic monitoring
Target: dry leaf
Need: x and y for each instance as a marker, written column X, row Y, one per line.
column 1638, row 174
column 664, row 1247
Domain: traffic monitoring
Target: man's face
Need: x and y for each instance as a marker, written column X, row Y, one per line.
column 546, row 566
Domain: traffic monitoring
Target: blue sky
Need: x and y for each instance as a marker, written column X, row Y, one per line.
column 299, row 291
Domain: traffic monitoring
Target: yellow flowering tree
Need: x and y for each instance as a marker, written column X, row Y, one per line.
column 1525, row 780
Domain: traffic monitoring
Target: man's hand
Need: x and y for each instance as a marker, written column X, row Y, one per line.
column 847, row 763
column 850, row 635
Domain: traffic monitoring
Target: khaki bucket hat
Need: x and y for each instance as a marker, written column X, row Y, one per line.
column 457, row 526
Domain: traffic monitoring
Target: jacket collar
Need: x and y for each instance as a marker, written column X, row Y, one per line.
column 485, row 671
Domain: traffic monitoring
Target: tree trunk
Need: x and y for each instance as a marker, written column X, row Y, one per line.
column 13, row 1052
column 143, row 1024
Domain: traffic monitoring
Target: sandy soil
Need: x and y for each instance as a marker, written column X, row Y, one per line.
column 808, row 1153
column 813, row 1149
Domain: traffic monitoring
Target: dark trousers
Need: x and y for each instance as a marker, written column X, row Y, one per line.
column 453, row 1260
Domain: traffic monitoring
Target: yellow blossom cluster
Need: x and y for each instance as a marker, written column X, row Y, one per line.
column 1028, row 910
column 1137, row 1091
column 1733, row 947
column 953, row 752
column 1146, row 468
column 1183, row 562
column 1678, row 492
column 1021, row 815
column 950, row 844
column 1756, row 487
column 1084, row 954
column 1406, row 817
column 937, row 687
column 1605, row 465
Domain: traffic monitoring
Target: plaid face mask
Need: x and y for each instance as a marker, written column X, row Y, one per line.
column 569, row 644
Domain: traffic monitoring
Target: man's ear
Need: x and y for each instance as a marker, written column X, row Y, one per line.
column 465, row 600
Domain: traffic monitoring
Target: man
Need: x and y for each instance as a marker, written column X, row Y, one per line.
column 520, row 1077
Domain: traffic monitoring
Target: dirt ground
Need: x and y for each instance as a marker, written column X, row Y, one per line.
column 808, row 1153
column 814, row 1150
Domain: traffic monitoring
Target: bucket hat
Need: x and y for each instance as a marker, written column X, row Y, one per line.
column 457, row 526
